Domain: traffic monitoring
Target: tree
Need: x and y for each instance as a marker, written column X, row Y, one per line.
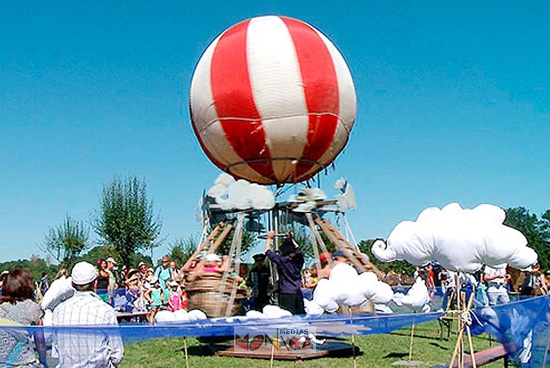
column 536, row 231
column 66, row 241
column 182, row 249
column 126, row 219
column 398, row 266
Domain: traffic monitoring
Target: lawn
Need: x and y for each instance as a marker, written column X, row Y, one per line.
column 377, row 351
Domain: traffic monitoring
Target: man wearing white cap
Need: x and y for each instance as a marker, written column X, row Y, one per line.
column 94, row 348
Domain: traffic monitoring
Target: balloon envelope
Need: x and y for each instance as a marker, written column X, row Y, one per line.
column 272, row 101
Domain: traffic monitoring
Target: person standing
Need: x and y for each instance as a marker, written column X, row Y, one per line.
column 111, row 264
column 496, row 280
column 102, row 286
column 535, row 282
column 94, row 348
column 289, row 266
column 17, row 305
column 44, row 284
column 259, row 280
column 164, row 275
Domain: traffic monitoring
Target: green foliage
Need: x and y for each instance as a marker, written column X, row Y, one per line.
column 126, row 219
column 397, row 266
column 247, row 240
column 66, row 241
column 536, row 231
column 182, row 249
column 35, row 265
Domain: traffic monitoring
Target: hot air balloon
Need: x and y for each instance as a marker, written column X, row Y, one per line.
column 272, row 101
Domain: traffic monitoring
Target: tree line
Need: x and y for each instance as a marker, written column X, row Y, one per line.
column 128, row 230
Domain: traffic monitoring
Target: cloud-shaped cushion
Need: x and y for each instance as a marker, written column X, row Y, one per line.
column 459, row 239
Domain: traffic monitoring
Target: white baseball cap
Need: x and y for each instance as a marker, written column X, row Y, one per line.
column 112, row 260
column 212, row 257
column 83, row 273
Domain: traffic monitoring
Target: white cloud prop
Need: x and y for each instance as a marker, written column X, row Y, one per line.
column 346, row 287
column 459, row 239
column 58, row 291
column 229, row 193
column 269, row 311
column 417, row 298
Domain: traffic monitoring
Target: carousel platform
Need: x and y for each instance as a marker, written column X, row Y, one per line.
column 329, row 349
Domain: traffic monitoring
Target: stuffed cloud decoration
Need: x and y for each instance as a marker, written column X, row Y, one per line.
column 459, row 239
column 417, row 298
column 307, row 199
column 345, row 287
column 59, row 290
column 240, row 194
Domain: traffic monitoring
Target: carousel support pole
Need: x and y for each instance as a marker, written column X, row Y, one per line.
column 203, row 245
column 314, row 241
column 337, row 239
column 221, row 238
column 235, row 248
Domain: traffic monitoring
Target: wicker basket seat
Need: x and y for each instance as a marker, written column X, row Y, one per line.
column 206, row 292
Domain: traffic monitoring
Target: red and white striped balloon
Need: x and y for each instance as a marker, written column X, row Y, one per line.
column 272, row 101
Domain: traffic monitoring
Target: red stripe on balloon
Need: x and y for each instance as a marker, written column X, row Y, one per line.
column 234, row 100
column 320, row 88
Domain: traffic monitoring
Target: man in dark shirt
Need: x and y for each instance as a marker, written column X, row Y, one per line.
column 289, row 266
column 259, row 280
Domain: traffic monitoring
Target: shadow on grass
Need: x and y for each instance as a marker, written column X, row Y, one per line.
column 416, row 336
column 437, row 345
column 198, row 350
column 396, row 355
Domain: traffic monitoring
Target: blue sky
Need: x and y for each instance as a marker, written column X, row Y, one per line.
column 453, row 105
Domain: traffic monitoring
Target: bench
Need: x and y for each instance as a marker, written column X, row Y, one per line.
column 445, row 323
column 482, row 358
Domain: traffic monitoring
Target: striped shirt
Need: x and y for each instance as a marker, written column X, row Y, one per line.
column 86, row 348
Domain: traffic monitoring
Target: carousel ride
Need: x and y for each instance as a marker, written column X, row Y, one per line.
column 272, row 104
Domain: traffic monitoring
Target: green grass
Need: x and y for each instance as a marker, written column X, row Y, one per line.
column 377, row 351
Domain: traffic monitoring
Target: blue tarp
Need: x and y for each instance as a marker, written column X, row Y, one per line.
column 523, row 327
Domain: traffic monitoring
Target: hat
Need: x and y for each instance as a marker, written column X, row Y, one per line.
column 83, row 273
column 173, row 283
column 258, row 256
column 212, row 257
column 141, row 264
column 325, row 257
column 287, row 247
column 112, row 260
column 338, row 253
column 133, row 278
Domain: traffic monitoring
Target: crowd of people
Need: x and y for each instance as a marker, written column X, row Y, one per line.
column 104, row 292
column 491, row 286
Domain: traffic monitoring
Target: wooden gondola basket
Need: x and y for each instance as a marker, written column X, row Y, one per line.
column 206, row 292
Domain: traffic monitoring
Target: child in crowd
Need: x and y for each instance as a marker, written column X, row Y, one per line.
column 154, row 296
column 174, row 299
column 213, row 263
